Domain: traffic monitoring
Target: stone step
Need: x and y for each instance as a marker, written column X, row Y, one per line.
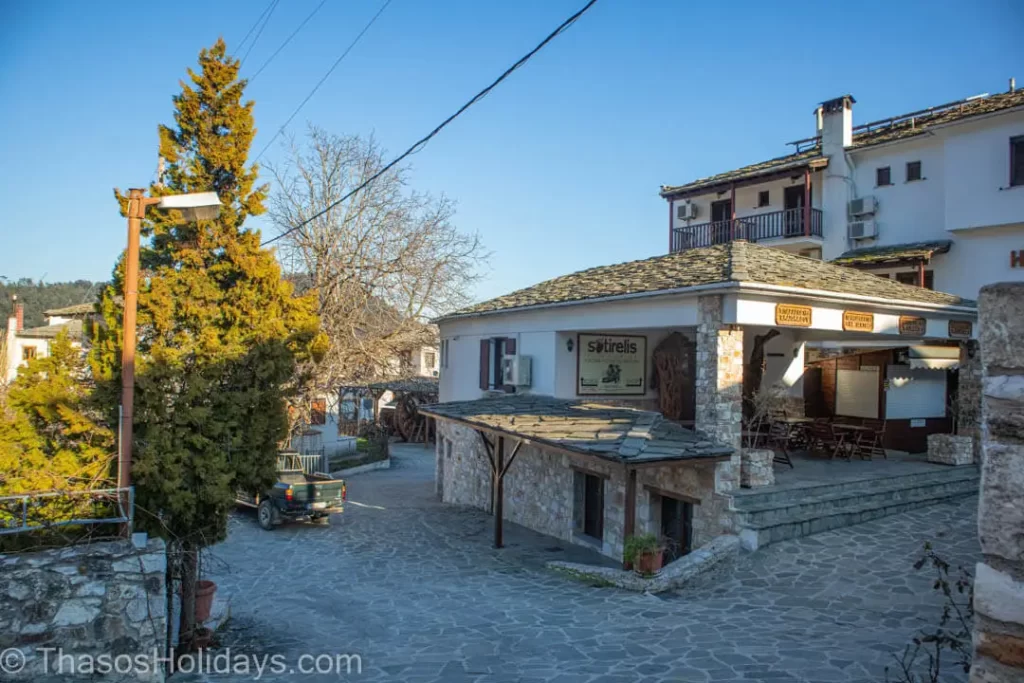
column 781, row 515
column 839, row 499
column 753, row 498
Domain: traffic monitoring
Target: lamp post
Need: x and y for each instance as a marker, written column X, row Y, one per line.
column 193, row 206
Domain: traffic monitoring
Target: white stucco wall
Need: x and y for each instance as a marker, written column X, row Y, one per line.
column 977, row 156
column 15, row 352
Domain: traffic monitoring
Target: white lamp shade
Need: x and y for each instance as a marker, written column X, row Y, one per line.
column 195, row 206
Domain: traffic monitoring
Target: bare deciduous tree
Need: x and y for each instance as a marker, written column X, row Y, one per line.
column 384, row 261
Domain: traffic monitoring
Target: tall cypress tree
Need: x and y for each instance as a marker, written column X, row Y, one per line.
column 219, row 331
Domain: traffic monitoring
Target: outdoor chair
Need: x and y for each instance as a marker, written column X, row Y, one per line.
column 821, row 438
column 780, row 440
column 872, row 442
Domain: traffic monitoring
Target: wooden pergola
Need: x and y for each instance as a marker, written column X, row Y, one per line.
column 632, row 439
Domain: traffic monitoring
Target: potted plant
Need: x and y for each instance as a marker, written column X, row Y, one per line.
column 204, row 599
column 644, row 553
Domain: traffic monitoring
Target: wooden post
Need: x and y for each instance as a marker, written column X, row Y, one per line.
column 498, row 478
column 807, row 202
column 629, row 524
column 920, row 274
column 732, row 211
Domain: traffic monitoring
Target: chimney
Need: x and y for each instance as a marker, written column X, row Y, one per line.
column 16, row 323
column 836, row 124
column 1013, row 84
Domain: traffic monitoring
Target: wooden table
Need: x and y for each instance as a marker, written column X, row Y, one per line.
column 853, row 431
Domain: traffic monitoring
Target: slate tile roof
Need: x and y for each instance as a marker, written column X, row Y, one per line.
column 734, row 262
column 622, row 434
column 77, row 309
column 73, row 327
column 896, row 128
column 893, row 253
column 411, row 385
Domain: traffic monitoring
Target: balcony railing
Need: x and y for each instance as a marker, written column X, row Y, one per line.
column 764, row 226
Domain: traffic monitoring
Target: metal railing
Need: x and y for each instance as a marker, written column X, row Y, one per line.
column 17, row 511
column 763, row 226
column 309, row 463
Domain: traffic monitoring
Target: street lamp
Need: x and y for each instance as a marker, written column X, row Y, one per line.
column 193, row 206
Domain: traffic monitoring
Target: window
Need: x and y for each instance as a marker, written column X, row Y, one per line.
column 429, row 359
column 28, row 353
column 492, row 351
column 883, row 176
column 1017, row 161
column 588, row 504
column 444, row 353
column 911, row 278
column 913, row 170
column 318, row 411
column 675, row 522
column 811, row 253
column 762, row 198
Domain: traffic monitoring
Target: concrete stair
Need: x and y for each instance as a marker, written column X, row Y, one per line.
column 779, row 513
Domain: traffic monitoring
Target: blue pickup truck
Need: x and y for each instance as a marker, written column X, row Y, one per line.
column 297, row 495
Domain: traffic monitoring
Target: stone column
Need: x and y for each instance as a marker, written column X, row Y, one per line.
column 999, row 579
column 969, row 395
column 719, row 385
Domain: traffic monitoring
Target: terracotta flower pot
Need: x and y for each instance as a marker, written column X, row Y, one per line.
column 204, row 599
column 650, row 562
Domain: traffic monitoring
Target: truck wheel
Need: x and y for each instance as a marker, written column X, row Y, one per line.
column 322, row 520
column 265, row 515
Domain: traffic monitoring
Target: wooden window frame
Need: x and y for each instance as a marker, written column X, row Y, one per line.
column 887, row 170
column 763, row 198
column 28, row 353
column 492, row 351
column 317, row 415
column 914, row 165
column 911, row 278
column 1015, row 142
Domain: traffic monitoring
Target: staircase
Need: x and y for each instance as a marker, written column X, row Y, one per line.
column 779, row 513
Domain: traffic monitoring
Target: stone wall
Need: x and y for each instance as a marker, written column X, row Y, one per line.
column 104, row 598
column 969, row 395
column 999, row 579
column 539, row 490
column 719, row 391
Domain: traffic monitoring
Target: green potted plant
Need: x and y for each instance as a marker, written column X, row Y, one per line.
column 644, row 553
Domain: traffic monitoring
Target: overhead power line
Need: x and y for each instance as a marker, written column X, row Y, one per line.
column 255, row 24
column 260, row 32
column 286, row 41
column 327, row 75
column 425, row 139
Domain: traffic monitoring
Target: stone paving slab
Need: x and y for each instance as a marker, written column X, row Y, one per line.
column 414, row 588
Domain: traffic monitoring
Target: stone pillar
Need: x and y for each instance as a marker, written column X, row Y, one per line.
column 719, row 386
column 999, row 579
column 969, row 395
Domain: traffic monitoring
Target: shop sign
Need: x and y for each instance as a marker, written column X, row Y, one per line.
column 960, row 328
column 855, row 321
column 912, row 326
column 611, row 364
column 791, row 315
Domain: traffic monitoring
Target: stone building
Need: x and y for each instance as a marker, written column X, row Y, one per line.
column 684, row 339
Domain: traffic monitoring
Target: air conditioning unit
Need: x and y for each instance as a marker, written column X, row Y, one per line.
column 859, row 230
column 516, row 370
column 862, row 206
column 686, row 211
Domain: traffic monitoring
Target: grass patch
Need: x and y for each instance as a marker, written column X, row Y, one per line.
column 584, row 578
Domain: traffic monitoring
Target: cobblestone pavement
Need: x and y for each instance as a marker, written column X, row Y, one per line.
column 414, row 588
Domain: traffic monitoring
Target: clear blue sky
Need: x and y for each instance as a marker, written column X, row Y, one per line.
column 558, row 169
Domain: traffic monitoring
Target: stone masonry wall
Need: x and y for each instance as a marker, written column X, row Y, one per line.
column 720, row 386
column 539, row 490
column 999, row 579
column 969, row 395
column 104, row 598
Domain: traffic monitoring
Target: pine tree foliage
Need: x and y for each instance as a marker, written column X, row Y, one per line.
column 219, row 330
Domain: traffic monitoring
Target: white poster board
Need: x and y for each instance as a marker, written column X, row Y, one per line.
column 857, row 393
column 610, row 364
column 915, row 393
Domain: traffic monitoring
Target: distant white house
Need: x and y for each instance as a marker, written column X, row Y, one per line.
column 25, row 344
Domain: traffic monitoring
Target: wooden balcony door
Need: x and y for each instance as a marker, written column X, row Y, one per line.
column 793, row 203
column 721, row 221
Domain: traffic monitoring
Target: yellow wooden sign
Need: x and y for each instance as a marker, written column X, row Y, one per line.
column 792, row 315
column 912, row 326
column 960, row 328
column 855, row 321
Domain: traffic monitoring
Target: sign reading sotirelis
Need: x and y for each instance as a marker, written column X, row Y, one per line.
column 960, row 328
column 611, row 364
column 912, row 326
column 855, row 321
column 791, row 315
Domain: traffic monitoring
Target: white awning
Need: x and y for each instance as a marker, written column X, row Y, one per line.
column 933, row 364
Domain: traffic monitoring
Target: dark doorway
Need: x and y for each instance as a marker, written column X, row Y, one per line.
column 676, row 527
column 721, row 221
column 589, row 504
column 793, row 203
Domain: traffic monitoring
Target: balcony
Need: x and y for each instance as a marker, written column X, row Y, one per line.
column 788, row 224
